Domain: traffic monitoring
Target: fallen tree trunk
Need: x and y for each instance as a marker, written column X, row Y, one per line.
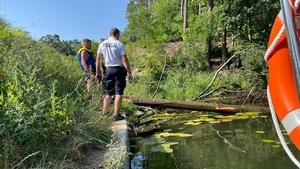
column 199, row 106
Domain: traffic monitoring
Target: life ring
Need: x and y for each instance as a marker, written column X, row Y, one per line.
column 282, row 84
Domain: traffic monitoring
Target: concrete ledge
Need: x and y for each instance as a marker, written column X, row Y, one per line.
column 120, row 128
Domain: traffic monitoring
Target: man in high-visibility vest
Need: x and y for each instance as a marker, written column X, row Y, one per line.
column 116, row 68
column 87, row 63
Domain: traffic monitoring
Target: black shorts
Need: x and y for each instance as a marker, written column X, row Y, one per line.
column 114, row 81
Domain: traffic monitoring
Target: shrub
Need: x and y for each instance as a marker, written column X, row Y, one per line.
column 250, row 64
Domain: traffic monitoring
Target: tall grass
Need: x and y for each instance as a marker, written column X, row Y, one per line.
column 42, row 124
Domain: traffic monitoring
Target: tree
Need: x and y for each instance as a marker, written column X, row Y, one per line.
column 209, row 39
column 185, row 14
column 66, row 47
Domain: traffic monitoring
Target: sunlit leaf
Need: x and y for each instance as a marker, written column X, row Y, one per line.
column 243, row 117
column 172, row 135
column 214, row 122
column 206, row 119
column 248, row 113
column 164, row 148
column 224, row 117
column 268, row 141
column 191, row 123
column 276, row 146
column 161, row 149
column 260, row 132
column 225, row 120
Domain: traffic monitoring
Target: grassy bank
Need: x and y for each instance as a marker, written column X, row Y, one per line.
column 44, row 118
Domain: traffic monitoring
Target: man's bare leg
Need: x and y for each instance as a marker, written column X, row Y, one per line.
column 117, row 105
column 106, row 103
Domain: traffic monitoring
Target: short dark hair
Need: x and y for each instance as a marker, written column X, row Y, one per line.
column 86, row 40
column 114, row 32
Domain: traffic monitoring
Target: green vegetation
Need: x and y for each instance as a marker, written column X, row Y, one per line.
column 215, row 31
column 44, row 118
column 45, row 121
column 116, row 155
column 66, row 47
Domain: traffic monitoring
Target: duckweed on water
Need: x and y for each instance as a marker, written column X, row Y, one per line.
column 207, row 119
column 268, row 141
column 260, row 132
column 159, row 135
column 225, row 120
column 242, row 117
column 215, row 119
column 276, row 146
column 164, row 148
column 191, row 123
column 248, row 113
column 223, row 117
column 214, row 122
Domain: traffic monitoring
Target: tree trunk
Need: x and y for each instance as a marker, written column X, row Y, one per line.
column 185, row 15
column 181, row 8
column 209, row 51
column 149, row 4
column 209, row 38
column 199, row 106
column 200, row 9
column 249, row 29
column 210, row 5
column 224, row 45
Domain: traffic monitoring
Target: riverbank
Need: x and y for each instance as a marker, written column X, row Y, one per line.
column 115, row 156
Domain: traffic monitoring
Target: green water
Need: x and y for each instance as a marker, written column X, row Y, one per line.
column 239, row 145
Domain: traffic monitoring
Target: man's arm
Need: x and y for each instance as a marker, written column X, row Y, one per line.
column 99, row 66
column 126, row 64
column 84, row 57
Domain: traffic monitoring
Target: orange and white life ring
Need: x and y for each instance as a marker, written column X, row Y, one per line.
column 282, row 84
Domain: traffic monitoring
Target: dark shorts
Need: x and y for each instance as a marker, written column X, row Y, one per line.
column 114, row 81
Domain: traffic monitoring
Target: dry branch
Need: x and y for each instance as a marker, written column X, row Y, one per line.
column 161, row 76
column 215, row 76
column 218, row 88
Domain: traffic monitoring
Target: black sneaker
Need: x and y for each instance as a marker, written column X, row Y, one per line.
column 118, row 117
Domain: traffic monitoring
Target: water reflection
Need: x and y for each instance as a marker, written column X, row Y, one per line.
column 231, row 145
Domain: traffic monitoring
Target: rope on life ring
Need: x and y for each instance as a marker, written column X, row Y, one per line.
column 269, row 53
column 279, row 132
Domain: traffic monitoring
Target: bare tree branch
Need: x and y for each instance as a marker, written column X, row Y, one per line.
column 218, row 88
column 161, row 76
column 252, row 89
column 215, row 76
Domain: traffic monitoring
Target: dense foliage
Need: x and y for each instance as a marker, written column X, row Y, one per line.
column 44, row 118
column 66, row 47
column 45, row 121
column 215, row 31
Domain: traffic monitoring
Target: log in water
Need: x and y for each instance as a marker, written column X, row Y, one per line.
column 199, row 106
